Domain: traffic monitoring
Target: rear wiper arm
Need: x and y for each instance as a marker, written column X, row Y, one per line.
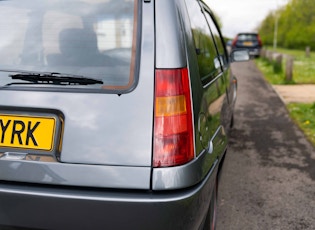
column 55, row 79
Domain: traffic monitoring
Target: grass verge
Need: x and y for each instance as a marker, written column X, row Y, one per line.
column 273, row 77
column 303, row 68
column 303, row 115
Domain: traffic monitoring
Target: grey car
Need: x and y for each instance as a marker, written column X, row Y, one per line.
column 114, row 114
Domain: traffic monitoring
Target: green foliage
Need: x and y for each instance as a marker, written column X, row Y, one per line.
column 266, row 29
column 296, row 28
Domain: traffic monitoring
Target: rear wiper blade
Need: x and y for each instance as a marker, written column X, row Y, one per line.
column 55, row 79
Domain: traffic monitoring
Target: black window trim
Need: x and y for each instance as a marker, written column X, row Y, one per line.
column 205, row 9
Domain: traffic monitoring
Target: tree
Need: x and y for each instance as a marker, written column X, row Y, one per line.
column 296, row 23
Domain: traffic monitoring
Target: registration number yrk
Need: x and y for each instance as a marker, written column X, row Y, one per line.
column 27, row 132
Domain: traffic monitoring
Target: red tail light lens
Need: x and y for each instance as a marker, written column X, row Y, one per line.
column 173, row 129
column 259, row 40
column 234, row 41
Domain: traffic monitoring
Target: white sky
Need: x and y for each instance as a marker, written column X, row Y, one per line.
column 242, row 15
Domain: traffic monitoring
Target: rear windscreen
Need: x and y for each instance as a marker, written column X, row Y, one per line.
column 68, row 39
column 245, row 37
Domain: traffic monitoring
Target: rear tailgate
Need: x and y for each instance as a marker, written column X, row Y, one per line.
column 73, row 138
column 93, row 139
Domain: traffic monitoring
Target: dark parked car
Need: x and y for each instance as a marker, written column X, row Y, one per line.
column 114, row 114
column 250, row 41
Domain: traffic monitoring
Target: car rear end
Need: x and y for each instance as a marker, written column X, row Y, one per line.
column 97, row 130
column 250, row 41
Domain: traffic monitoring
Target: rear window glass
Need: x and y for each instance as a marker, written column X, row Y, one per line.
column 244, row 37
column 208, row 62
column 218, row 39
column 68, row 39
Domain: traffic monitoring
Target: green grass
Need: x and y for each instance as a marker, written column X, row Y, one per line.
column 303, row 68
column 303, row 115
column 303, row 73
column 267, row 69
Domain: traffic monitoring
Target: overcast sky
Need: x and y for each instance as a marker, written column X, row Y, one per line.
column 242, row 15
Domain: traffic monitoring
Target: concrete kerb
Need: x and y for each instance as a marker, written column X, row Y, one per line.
column 303, row 93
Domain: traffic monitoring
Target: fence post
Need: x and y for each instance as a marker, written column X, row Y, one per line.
column 308, row 51
column 277, row 63
column 270, row 55
column 263, row 53
column 289, row 69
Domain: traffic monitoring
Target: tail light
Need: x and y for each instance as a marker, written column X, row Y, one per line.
column 173, row 127
column 259, row 40
column 234, row 41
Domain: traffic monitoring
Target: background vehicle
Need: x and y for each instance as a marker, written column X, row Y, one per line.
column 113, row 114
column 250, row 41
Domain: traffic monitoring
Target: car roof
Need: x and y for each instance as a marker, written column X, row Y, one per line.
column 251, row 33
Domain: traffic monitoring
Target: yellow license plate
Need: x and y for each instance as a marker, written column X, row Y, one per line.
column 30, row 132
column 247, row 43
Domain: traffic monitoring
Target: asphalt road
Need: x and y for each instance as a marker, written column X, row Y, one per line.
column 268, row 179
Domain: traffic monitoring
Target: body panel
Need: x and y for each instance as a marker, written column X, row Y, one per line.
column 170, row 43
column 99, row 174
column 32, row 171
column 75, row 208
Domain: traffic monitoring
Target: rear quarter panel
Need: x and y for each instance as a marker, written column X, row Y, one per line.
column 174, row 35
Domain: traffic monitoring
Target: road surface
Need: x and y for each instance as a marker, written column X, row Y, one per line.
column 268, row 179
